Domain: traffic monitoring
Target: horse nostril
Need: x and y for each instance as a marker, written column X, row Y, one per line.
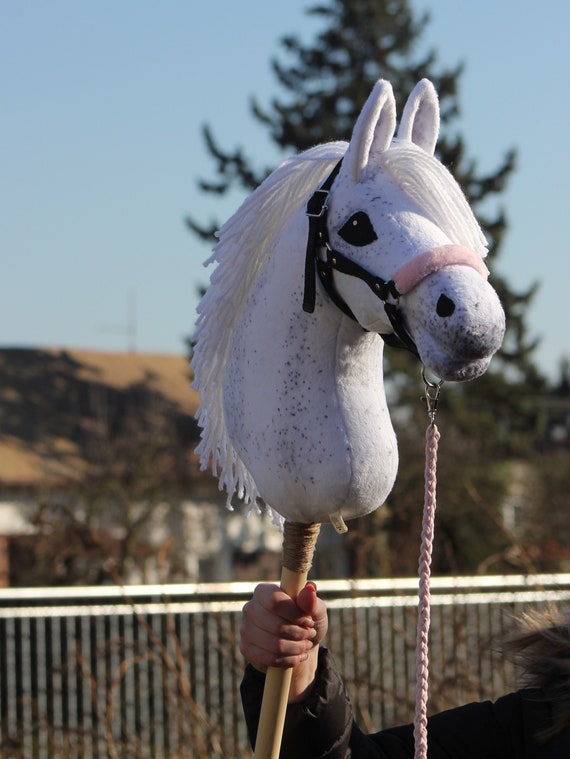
column 445, row 306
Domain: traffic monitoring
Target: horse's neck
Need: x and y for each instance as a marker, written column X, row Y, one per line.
column 313, row 355
column 305, row 392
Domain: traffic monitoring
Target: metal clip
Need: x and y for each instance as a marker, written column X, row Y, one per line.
column 433, row 390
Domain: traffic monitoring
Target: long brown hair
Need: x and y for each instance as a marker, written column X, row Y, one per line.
column 542, row 651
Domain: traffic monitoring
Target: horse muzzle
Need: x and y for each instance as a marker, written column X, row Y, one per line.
column 456, row 321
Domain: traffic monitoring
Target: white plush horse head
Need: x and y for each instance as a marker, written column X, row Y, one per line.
column 289, row 370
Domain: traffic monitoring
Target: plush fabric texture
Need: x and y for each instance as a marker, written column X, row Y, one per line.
column 293, row 404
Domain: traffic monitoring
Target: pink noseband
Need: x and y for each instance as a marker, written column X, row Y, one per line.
column 410, row 274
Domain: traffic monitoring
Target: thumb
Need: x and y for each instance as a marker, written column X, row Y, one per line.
column 307, row 599
column 313, row 606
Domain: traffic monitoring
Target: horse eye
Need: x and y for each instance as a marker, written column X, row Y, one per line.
column 358, row 230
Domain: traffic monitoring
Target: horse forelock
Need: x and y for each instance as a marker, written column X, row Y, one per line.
column 245, row 242
column 432, row 187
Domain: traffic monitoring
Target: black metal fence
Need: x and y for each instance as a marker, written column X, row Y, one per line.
column 153, row 672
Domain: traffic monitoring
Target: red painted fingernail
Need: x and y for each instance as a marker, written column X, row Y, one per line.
column 311, row 585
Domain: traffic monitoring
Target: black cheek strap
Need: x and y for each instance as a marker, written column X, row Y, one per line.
column 335, row 261
column 318, row 235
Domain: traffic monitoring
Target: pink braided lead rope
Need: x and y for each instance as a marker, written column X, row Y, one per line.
column 428, row 523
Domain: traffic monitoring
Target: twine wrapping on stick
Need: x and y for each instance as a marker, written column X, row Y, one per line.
column 422, row 652
column 299, row 542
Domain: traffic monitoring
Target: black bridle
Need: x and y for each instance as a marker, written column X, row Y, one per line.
column 318, row 240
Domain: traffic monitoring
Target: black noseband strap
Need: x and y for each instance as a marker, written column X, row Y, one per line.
column 318, row 239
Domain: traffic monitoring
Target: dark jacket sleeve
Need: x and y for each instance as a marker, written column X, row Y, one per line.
column 323, row 727
column 320, row 726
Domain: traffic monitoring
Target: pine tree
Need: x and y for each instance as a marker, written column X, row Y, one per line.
column 324, row 85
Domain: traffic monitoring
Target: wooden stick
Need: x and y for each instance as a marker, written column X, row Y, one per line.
column 299, row 542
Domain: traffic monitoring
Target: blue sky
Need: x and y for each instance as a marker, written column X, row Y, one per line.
column 102, row 105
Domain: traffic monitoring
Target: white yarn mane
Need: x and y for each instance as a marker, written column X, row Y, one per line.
column 247, row 240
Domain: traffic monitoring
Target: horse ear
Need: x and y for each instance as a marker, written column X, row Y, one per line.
column 373, row 131
column 420, row 119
